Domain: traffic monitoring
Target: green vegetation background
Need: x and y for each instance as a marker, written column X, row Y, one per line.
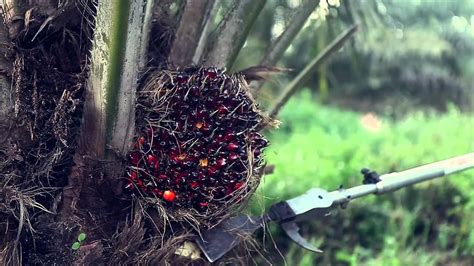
column 320, row 146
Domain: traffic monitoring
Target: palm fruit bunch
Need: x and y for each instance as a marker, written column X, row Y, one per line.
column 198, row 145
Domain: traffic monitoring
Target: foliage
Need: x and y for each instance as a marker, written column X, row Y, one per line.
column 409, row 50
column 80, row 239
column 319, row 146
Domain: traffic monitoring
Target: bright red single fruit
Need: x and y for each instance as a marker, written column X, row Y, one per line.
column 169, row 195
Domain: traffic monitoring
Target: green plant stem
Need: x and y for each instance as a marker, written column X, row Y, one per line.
column 120, row 11
column 134, row 57
column 116, row 59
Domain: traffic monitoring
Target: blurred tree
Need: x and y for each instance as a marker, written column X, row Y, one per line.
column 414, row 53
column 410, row 53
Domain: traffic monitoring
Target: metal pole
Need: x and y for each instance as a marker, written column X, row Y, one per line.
column 394, row 181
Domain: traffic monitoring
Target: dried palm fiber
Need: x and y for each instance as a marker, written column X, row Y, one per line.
column 198, row 150
column 47, row 90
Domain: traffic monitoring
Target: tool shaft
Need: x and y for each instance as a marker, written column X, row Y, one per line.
column 316, row 202
column 397, row 180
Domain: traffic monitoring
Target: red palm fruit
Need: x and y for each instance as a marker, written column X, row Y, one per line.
column 151, row 159
column 222, row 109
column 194, row 185
column 201, row 176
column 202, row 114
column 195, row 91
column 133, row 175
column 257, row 152
column 169, row 195
column 233, row 156
column 206, row 129
column 180, row 178
column 211, row 73
column 181, row 79
column 229, row 190
column 203, row 162
column 219, row 138
column 221, row 162
column 238, row 185
column 164, row 135
column 232, row 146
column 229, row 136
column 220, row 192
column 240, row 167
column 134, row 158
column 212, row 170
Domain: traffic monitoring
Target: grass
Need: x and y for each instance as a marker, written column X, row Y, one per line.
column 319, row 146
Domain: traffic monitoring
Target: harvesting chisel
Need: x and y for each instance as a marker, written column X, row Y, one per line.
column 317, row 203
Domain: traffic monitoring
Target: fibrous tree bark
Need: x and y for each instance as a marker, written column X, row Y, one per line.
column 6, row 102
column 92, row 201
column 108, row 124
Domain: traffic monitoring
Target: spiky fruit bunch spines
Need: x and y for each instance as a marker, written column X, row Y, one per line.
column 198, row 145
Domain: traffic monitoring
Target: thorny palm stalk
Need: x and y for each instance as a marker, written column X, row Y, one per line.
column 116, row 56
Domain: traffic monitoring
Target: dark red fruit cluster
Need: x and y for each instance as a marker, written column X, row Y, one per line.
column 200, row 144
